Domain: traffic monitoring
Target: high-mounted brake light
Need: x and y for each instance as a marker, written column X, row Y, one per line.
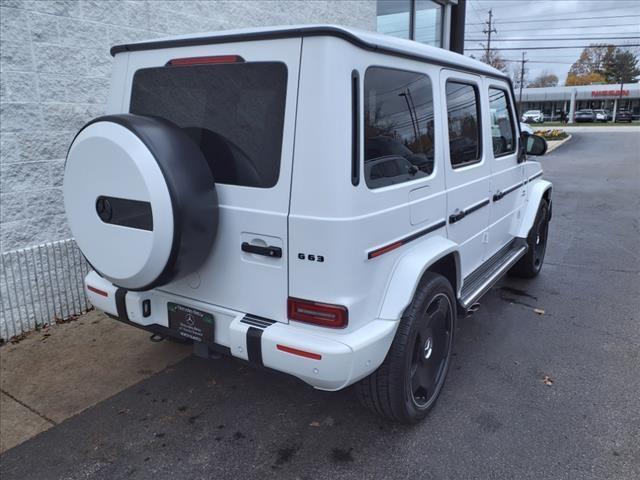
column 323, row 314
column 182, row 62
column 98, row 291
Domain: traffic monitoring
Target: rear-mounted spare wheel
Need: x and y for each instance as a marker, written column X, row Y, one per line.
column 140, row 199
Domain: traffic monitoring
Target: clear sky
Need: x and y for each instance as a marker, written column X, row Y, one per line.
column 523, row 24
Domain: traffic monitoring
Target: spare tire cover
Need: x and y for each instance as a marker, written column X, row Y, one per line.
column 140, row 199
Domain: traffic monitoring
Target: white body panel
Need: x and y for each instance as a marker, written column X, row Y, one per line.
column 315, row 210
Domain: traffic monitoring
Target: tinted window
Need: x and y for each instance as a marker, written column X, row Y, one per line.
column 502, row 126
column 234, row 112
column 398, row 126
column 463, row 112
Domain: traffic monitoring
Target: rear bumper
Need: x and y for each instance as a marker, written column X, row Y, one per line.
column 325, row 359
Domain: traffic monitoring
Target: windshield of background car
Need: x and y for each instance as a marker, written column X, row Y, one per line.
column 234, row 112
column 398, row 126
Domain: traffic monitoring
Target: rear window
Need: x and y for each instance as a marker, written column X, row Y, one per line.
column 234, row 112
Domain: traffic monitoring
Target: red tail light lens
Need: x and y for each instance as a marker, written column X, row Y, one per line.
column 181, row 62
column 323, row 314
column 300, row 353
column 97, row 290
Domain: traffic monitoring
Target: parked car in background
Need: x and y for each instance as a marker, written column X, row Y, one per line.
column 533, row 116
column 602, row 115
column 585, row 115
column 624, row 116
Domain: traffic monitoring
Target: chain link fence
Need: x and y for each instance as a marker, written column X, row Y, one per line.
column 40, row 285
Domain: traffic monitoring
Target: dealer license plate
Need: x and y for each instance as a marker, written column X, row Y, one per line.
column 191, row 323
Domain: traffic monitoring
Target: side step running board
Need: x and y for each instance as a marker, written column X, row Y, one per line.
column 481, row 280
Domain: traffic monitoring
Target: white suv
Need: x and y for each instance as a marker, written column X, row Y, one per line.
column 315, row 200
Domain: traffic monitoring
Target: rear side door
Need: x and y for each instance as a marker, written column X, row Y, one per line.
column 467, row 169
column 507, row 175
column 237, row 102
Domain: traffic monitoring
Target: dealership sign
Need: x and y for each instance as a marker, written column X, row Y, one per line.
column 609, row 93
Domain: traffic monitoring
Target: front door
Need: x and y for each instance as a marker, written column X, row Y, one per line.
column 467, row 169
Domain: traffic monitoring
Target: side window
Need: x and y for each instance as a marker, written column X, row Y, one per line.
column 502, row 125
column 463, row 113
column 398, row 126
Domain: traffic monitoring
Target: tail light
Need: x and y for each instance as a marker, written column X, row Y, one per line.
column 182, row 62
column 323, row 314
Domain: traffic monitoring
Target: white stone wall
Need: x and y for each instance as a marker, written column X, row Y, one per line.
column 54, row 75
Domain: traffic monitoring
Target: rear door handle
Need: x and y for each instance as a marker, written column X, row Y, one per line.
column 269, row 251
column 456, row 216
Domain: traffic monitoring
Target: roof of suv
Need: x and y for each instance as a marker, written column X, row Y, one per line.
column 363, row 39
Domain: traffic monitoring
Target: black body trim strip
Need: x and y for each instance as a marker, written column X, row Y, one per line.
column 121, row 304
column 257, row 321
column 456, row 217
column 322, row 31
column 499, row 195
column 355, row 128
column 537, row 175
column 254, row 345
column 399, row 243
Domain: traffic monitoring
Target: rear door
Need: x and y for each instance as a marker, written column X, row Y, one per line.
column 237, row 102
column 467, row 167
column 507, row 175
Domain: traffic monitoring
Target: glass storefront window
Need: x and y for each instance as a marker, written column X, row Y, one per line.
column 419, row 20
column 394, row 17
column 428, row 22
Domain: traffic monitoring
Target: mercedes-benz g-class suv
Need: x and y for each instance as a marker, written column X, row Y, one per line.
column 316, row 200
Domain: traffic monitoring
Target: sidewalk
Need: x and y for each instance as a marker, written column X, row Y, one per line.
column 58, row 372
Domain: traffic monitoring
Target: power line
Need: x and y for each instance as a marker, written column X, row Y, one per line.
column 511, row 39
column 571, row 27
column 609, row 10
column 503, row 22
column 554, row 47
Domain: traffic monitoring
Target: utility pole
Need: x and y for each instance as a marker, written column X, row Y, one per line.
column 521, row 80
column 488, row 31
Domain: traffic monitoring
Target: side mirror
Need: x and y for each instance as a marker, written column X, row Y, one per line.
column 534, row 145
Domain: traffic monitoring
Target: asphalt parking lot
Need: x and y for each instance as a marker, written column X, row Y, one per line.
column 552, row 395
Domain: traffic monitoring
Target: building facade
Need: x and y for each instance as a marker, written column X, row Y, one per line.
column 54, row 76
column 554, row 100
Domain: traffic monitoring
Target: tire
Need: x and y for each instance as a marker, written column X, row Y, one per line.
column 530, row 264
column 407, row 384
column 140, row 199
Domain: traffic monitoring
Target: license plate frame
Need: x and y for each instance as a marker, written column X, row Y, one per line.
column 191, row 323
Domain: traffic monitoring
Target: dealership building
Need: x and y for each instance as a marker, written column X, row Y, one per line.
column 553, row 100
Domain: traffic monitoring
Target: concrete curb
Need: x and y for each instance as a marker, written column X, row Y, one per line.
column 557, row 143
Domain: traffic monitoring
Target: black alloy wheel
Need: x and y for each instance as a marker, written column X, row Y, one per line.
column 407, row 384
column 530, row 264
column 430, row 351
